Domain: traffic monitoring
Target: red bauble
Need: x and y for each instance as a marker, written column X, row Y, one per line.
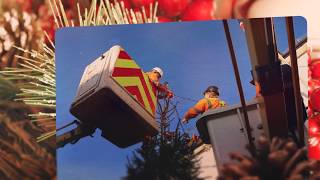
column 162, row 19
column 140, row 3
column 139, row 10
column 26, row 5
column 127, row 3
column 313, row 84
column 314, row 125
column 199, row 10
column 315, row 69
column 314, row 147
column 172, row 8
column 315, row 100
column 47, row 24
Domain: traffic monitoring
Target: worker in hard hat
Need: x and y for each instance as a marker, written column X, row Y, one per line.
column 155, row 75
column 210, row 101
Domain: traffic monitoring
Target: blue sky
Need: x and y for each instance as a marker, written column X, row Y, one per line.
column 193, row 55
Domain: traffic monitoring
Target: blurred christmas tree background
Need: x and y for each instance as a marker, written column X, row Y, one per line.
column 168, row 155
column 21, row 32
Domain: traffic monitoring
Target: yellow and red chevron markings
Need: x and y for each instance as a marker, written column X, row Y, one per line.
column 130, row 76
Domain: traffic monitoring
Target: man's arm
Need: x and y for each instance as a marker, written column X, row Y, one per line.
column 197, row 109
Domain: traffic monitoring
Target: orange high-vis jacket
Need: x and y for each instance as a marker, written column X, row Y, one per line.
column 202, row 106
column 258, row 89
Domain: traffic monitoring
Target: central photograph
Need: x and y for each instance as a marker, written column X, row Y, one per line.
column 177, row 100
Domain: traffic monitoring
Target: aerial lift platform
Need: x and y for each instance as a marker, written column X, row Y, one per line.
column 115, row 96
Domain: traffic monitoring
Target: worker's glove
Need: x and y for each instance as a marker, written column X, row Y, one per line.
column 170, row 94
column 164, row 90
column 222, row 104
column 156, row 83
column 184, row 121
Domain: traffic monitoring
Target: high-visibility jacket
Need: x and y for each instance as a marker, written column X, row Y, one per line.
column 258, row 89
column 202, row 106
column 153, row 77
column 160, row 88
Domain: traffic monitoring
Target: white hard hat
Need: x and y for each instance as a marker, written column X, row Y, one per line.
column 159, row 70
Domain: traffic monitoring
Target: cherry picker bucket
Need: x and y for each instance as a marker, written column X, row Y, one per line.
column 116, row 96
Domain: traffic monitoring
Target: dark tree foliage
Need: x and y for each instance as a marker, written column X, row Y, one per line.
column 164, row 157
column 168, row 155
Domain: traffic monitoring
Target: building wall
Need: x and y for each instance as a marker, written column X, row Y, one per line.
column 208, row 166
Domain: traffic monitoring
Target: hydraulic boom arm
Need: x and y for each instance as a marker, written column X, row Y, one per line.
column 73, row 136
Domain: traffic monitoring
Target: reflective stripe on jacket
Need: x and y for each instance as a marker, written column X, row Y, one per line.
column 202, row 106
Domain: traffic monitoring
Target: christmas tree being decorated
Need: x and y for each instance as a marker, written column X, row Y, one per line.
column 169, row 155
